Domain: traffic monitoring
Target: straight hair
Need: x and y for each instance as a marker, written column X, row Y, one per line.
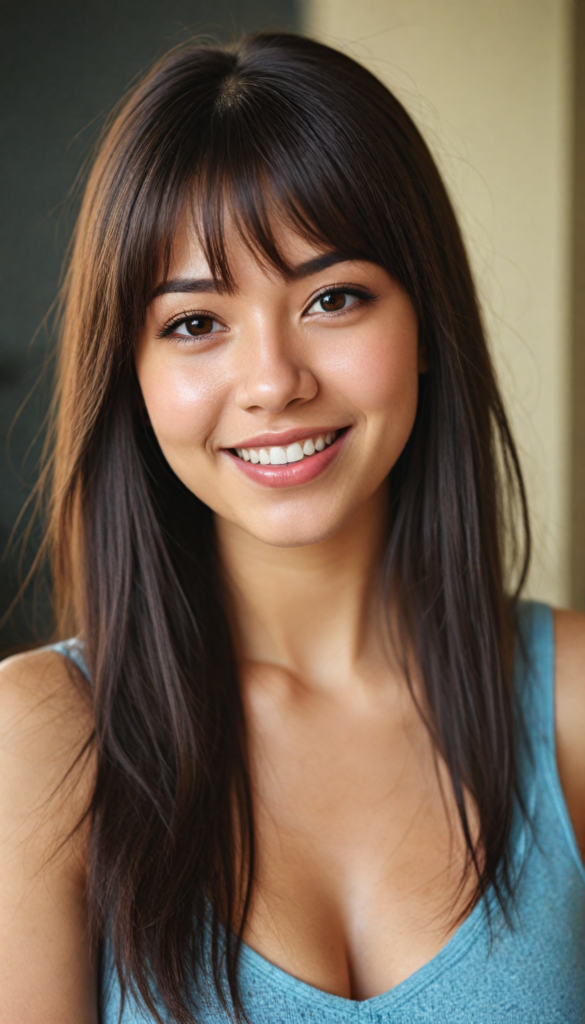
column 275, row 131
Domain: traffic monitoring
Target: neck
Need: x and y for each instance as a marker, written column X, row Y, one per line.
column 311, row 609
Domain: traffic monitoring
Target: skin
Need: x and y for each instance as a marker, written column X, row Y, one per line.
column 359, row 847
column 270, row 365
column 46, row 973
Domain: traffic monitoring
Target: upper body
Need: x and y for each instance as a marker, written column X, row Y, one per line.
column 337, row 914
column 268, row 435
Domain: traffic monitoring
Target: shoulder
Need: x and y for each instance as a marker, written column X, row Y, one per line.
column 45, row 756
column 569, row 628
column 43, row 672
column 45, row 708
column 46, row 781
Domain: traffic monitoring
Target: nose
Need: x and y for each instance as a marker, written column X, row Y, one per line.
column 272, row 376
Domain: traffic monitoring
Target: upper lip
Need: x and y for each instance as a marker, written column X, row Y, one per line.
column 283, row 437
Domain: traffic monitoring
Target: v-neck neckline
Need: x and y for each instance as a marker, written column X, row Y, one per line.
column 454, row 949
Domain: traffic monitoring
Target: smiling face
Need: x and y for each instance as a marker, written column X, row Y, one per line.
column 284, row 404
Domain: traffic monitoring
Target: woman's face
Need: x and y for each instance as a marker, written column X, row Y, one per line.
column 283, row 405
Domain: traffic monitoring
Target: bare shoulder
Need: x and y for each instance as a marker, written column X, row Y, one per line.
column 45, row 758
column 45, row 714
column 46, row 779
column 570, row 713
column 29, row 680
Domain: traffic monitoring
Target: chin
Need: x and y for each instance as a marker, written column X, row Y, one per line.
column 294, row 531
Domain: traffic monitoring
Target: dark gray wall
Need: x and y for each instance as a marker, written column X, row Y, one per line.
column 62, row 65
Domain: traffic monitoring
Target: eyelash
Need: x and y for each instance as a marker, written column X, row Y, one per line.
column 356, row 292
column 182, row 319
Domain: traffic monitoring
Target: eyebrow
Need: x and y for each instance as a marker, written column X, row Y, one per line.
column 328, row 259
column 192, row 285
column 182, row 285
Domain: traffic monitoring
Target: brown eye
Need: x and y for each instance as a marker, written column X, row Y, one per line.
column 198, row 325
column 333, row 301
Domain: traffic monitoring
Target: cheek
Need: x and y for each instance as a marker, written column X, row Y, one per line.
column 383, row 382
column 181, row 399
column 379, row 374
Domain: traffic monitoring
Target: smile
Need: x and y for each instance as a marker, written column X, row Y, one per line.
column 288, row 465
column 280, row 455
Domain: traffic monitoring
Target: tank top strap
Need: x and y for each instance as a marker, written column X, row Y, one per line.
column 74, row 650
column 535, row 680
column 535, row 673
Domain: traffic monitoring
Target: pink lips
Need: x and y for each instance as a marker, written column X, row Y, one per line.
column 295, row 472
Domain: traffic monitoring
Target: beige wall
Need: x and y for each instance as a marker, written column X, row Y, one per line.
column 488, row 82
column 577, row 556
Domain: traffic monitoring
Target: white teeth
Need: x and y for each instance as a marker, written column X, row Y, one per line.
column 294, row 452
column 277, row 457
column 280, row 456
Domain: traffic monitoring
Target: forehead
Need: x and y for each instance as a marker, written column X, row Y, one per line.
column 188, row 248
column 189, row 268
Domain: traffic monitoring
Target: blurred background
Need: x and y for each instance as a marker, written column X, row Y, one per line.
column 497, row 88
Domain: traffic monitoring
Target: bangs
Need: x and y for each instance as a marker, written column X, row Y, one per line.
column 257, row 201
column 263, row 153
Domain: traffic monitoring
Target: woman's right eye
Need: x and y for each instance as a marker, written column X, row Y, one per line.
column 195, row 327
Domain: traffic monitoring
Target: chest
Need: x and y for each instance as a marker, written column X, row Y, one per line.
column 359, row 851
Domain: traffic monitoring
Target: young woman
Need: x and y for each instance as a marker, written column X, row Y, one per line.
column 298, row 762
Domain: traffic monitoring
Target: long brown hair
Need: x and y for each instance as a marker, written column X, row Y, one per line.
column 275, row 127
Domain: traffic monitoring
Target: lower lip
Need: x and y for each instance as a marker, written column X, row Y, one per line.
column 294, row 472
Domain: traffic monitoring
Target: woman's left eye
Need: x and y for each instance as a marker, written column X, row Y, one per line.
column 333, row 302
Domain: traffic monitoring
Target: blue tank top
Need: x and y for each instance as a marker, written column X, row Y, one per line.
column 529, row 972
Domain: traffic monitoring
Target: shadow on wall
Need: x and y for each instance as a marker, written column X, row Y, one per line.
column 62, row 66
